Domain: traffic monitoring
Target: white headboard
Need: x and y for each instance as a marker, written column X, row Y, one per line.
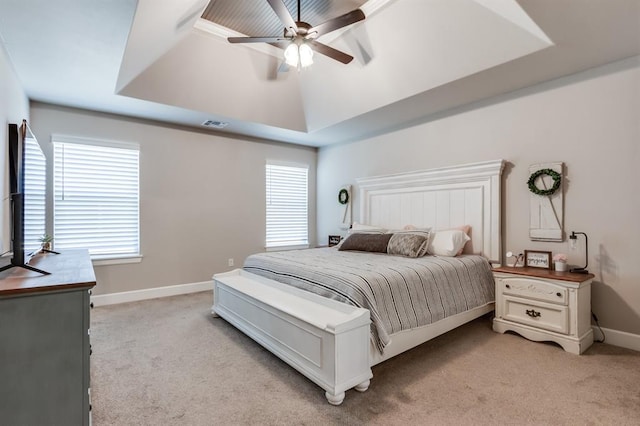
column 440, row 198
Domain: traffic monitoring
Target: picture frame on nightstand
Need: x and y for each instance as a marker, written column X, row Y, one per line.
column 537, row 259
column 334, row 240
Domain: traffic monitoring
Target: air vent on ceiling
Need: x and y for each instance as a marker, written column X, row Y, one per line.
column 215, row 124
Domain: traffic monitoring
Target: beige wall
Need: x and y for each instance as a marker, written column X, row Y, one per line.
column 589, row 120
column 14, row 107
column 201, row 195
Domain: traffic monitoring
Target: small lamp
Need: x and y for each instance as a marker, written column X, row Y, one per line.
column 573, row 244
column 518, row 257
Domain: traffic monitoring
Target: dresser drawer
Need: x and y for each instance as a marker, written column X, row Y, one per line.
column 547, row 316
column 530, row 288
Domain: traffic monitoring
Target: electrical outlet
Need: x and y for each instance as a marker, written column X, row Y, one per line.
column 231, row 262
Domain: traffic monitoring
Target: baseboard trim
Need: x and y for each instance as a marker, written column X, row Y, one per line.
column 618, row 338
column 150, row 293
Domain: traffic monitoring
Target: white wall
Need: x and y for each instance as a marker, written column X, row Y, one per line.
column 201, row 195
column 591, row 121
column 14, row 107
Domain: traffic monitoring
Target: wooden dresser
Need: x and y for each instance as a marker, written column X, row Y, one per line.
column 545, row 305
column 44, row 341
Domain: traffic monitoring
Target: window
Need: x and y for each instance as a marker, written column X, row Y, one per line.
column 96, row 197
column 287, row 207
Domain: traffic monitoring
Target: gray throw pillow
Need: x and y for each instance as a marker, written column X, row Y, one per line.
column 376, row 243
column 409, row 245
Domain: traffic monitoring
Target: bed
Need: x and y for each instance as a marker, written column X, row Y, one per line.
column 333, row 334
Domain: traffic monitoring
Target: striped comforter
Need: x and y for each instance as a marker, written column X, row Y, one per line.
column 400, row 293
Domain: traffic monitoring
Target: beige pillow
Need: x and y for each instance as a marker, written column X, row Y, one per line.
column 467, row 230
column 358, row 227
column 447, row 242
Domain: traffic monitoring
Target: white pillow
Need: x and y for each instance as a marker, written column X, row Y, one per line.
column 358, row 228
column 448, row 242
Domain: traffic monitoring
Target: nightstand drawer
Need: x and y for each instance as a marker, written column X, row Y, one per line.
column 537, row 314
column 535, row 289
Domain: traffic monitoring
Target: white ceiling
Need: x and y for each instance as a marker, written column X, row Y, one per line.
column 415, row 59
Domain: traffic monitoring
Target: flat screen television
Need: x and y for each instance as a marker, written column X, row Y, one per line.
column 23, row 150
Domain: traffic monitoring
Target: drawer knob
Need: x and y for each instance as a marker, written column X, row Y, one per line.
column 533, row 314
column 559, row 294
column 507, row 286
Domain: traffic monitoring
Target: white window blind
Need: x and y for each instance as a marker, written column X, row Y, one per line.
column 35, row 167
column 287, row 206
column 96, row 197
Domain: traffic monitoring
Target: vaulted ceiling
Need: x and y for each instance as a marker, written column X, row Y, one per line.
column 169, row 60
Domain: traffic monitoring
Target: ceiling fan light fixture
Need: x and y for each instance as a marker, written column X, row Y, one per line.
column 301, row 36
column 298, row 54
column 291, row 55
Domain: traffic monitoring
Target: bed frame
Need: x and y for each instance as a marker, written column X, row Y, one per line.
column 328, row 341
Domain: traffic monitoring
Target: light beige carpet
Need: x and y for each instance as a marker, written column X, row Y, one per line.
column 168, row 362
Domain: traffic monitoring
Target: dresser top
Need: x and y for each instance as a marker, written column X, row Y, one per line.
column 70, row 269
column 545, row 273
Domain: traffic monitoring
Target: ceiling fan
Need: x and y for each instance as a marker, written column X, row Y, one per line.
column 299, row 38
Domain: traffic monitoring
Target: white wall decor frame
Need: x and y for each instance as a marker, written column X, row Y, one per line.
column 546, row 212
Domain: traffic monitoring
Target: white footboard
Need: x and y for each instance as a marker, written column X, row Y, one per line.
column 323, row 339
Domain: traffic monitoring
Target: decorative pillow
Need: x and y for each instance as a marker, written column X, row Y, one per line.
column 408, row 244
column 447, row 242
column 467, row 230
column 424, row 232
column 376, row 243
column 360, row 228
column 418, row 231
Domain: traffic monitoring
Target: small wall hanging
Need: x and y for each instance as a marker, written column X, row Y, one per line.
column 344, row 199
column 546, row 188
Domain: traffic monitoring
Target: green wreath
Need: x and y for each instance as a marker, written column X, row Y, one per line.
column 343, row 196
column 557, row 180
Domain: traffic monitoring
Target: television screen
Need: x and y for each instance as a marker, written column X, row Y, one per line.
column 27, row 179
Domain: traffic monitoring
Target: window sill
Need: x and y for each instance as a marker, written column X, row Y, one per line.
column 115, row 260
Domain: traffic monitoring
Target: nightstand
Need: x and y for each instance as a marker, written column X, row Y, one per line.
column 545, row 305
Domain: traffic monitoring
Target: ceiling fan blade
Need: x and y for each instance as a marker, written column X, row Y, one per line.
column 336, row 23
column 281, row 44
column 283, row 13
column 256, row 39
column 330, row 52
